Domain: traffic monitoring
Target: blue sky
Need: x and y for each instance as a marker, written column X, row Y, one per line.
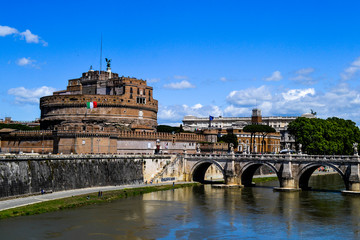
column 202, row 57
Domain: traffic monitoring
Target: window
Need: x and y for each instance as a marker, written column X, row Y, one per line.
column 141, row 100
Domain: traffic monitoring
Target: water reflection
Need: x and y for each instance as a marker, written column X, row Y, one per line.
column 203, row 212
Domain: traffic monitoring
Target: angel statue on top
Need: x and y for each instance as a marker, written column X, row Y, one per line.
column 108, row 62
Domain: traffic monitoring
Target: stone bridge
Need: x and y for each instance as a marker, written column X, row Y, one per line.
column 293, row 171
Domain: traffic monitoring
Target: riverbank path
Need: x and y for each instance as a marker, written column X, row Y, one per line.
column 28, row 200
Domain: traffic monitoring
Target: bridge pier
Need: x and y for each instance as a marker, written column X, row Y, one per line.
column 354, row 188
column 287, row 182
column 233, row 180
column 287, row 185
column 353, row 181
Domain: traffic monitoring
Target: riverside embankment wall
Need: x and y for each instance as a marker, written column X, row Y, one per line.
column 23, row 174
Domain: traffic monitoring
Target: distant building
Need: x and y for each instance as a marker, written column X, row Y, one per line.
column 236, row 124
column 8, row 120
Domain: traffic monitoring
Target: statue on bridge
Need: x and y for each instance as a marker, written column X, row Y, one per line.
column 300, row 147
column 355, row 147
column 231, row 148
column 198, row 148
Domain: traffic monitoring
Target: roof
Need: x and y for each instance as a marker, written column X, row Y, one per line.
column 7, row 130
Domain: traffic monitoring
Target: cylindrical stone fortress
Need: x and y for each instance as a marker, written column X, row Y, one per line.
column 120, row 102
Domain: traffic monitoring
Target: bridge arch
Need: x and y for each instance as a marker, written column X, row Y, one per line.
column 306, row 172
column 249, row 169
column 199, row 169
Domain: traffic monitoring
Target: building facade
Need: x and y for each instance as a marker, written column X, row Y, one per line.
column 274, row 142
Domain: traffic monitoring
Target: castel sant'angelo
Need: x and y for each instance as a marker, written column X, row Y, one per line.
column 101, row 101
column 100, row 112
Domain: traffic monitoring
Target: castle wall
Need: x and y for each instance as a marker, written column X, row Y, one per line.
column 84, row 142
column 27, row 146
column 30, row 174
column 83, row 145
column 27, row 142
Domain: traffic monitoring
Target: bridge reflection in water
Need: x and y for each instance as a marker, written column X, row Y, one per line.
column 293, row 171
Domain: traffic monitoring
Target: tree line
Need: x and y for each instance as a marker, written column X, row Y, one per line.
column 325, row 136
column 18, row 126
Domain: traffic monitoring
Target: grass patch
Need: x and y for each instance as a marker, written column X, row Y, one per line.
column 264, row 179
column 83, row 200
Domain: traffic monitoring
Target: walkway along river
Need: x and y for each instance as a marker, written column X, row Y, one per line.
column 204, row 212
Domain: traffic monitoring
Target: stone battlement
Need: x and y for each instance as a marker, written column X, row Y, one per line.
column 189, row 137
column 102, row 101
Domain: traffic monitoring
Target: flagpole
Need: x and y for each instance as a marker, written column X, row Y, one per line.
column 100, row 54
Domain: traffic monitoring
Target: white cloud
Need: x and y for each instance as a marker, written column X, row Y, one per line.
column 25, row 61
column 153, row 80
column 276, row 76
column 27, row 35
column 176, row 113
column 179, row 85
column 352, row 70
column 197, row 106
column 305, row 71
column 178, row 77
column 5, row 30
column 342, row 101
column 302, row 76
column 356, row 100
column 30, row 96
column 223, row 79
column 249, row 97
column 295, row 94
column 167, row 114
column 236, row 111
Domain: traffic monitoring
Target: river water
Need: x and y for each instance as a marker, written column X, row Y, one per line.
column 203, row 212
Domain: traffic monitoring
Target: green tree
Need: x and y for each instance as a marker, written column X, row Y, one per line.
column 168, row 129
column 320, row 136
column 17, row 126
column 229, row 138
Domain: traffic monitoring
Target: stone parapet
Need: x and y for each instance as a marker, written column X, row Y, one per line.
column 102, row 101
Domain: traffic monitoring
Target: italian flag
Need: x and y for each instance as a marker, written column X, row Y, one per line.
column 91, row 105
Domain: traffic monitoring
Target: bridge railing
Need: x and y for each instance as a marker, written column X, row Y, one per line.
column 278, row 157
